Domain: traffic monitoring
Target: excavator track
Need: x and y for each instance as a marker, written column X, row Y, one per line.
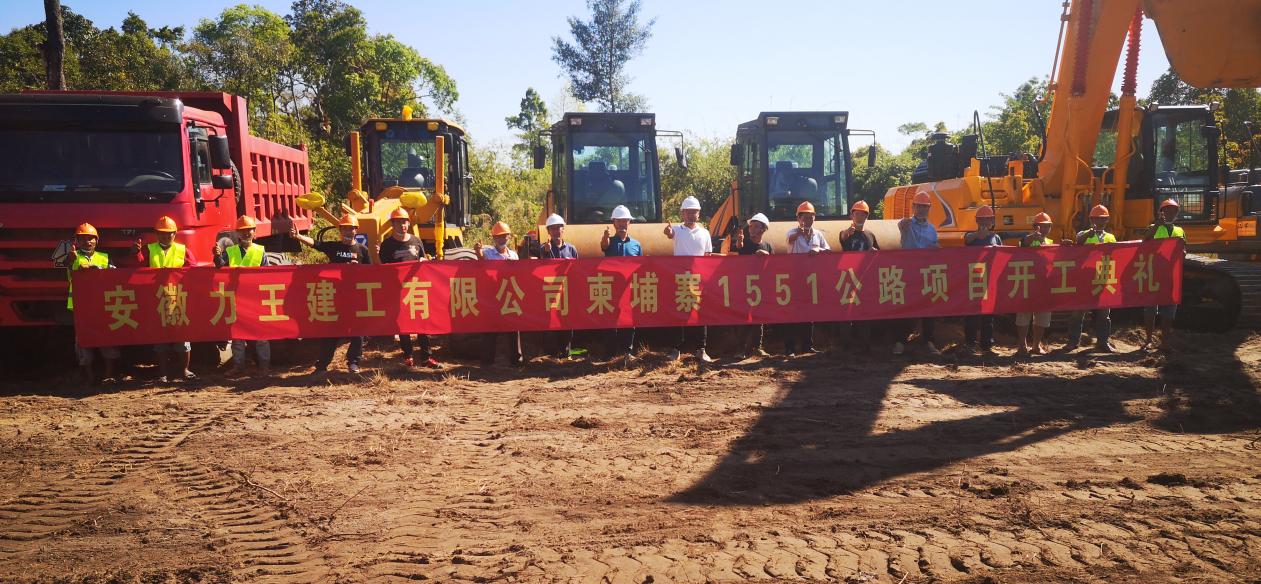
column 1218, row 295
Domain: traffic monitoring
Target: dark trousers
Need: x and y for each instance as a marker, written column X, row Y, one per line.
column 618, row 342
column 979, row 325
column 558, row 343
column 695, row 334
column 328, row 347
column 908, row 327
column 798, row 335
column 489, row 342
column 750, row 336
column 422, row 342
column 857, row 333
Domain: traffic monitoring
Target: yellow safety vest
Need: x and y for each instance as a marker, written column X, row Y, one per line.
column 1162, row 232
column 1107, row 237
column 171, row 258
column 98, row 259
column 1043, row 241
column 253, row 258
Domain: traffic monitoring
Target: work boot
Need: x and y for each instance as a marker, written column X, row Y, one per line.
column 703, row 357
column 673, row 355
column 932, row 349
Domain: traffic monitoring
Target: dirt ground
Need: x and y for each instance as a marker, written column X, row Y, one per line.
column 1075, row 467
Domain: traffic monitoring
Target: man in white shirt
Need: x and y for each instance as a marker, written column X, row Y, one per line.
column 803, row 239
column 690, row 239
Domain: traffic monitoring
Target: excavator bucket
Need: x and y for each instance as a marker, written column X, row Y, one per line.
column 1211, row 44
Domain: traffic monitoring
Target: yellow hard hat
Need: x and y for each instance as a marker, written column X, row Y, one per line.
column 1041, row 219
column 1100, row 211
column 86, row 229
column 501, row 228
column 165, row 224
column 860, row 206
column 921, row 198
column 399, row 213
column 805, row 207
column 984, row 211
column 348, row 221
column 245, row 222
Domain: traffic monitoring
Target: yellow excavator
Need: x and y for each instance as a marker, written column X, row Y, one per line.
column 1142, row 157
column 420, row 165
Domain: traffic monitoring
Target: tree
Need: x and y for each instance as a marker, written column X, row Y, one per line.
column 707, row 177
column 531, row 121
column 1238, row 105
column 54, row 47
column 244, row 52
column 1016, row 125
column 595, row 66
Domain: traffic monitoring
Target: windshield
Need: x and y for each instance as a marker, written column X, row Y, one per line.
column 1181, row 163
column 805, row 166
column 407, row 162
column 112, row 157
column 611, row 170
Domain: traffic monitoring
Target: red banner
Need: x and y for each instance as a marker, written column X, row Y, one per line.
column 140, row 306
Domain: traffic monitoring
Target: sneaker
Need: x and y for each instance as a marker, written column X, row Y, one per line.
column 431, row 364
column 741, row 356
column 163, row 379
column 932, row 350
column 353, row 367
column 898, row 348
column 809, row 350
column 761, row 353
column 791, row 354
column 408, row 362
column 703, row 357
column 673, row 355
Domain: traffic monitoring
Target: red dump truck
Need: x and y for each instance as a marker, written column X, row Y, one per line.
column 120, row 161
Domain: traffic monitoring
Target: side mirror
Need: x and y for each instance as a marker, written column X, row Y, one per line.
column 346, row 144
column 1211, row 132
column 540, row 156
column 221, row 181
column 737, row 155
column 680, row 157
column 871, row 156
column 220, row 155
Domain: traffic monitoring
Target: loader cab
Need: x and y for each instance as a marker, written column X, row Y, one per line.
column 1175, row 159
column 786, row 158
column 402, row 153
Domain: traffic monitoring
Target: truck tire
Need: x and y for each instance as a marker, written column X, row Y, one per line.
column 459, row 253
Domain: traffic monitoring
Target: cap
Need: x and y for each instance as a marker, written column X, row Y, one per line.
column 860, row 206
column 245, row 222
column 760, row 218
column 921, row 198
column 691, row 203
column 984, row 211
column 805, row 207
column 165, row 224
column 399, row 213
column 621, row 212
column 86, row 229
column 1170, row 203
column 555, row 219
column 1042, row 219
column 348, row 220
column 1100, row 211
column 501, row 228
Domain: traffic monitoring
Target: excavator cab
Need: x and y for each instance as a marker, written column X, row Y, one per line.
column 788, row 158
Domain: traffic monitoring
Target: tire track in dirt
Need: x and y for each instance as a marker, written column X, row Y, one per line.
column 59, row 507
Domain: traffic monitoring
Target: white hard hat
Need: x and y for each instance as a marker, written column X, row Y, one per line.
column 555, row 220
column 621, row 212
column 760, row 218
column 691, row 203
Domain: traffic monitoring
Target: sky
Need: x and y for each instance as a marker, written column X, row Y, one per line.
column 712, row 65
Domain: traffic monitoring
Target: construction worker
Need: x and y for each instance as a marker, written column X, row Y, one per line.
column 167, row 254
column 557, row 343
column 690, row 239
column 245, row 254
column 1163, row 228
column 620, row 341
column 344, row 251
column 978, row 329
column 87, row 258
column 803, row 238
column 918, row 233
column 1103, row 324
column 499, row 252
column 401, row 247
column 856, row 237
column 1040, row 320
column 750, row 335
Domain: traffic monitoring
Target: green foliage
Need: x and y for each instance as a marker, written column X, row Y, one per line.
column 531, row 121
column 708, row 176
column 244, row 52
column 1237, row 106
column 605, row 44
column 504, row 192
column 1015, row 126
column 872, row 182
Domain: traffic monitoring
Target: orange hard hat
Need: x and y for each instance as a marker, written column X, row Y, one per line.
column 1042, row 219
column 1100, row 211
column 501, row 228
column 348, row 221
column 805, row 207
column 860, row 206
column 86, row 229
column 399, row 213
column 245, row 222
column 921, row 198
column 984, row 211
column 1170, row 203
column 165, row 224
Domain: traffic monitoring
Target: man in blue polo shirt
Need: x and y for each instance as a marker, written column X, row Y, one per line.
column 620, row 341
column 918, row 233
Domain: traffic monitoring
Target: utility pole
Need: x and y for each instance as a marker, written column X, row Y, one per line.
column 55, row 46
